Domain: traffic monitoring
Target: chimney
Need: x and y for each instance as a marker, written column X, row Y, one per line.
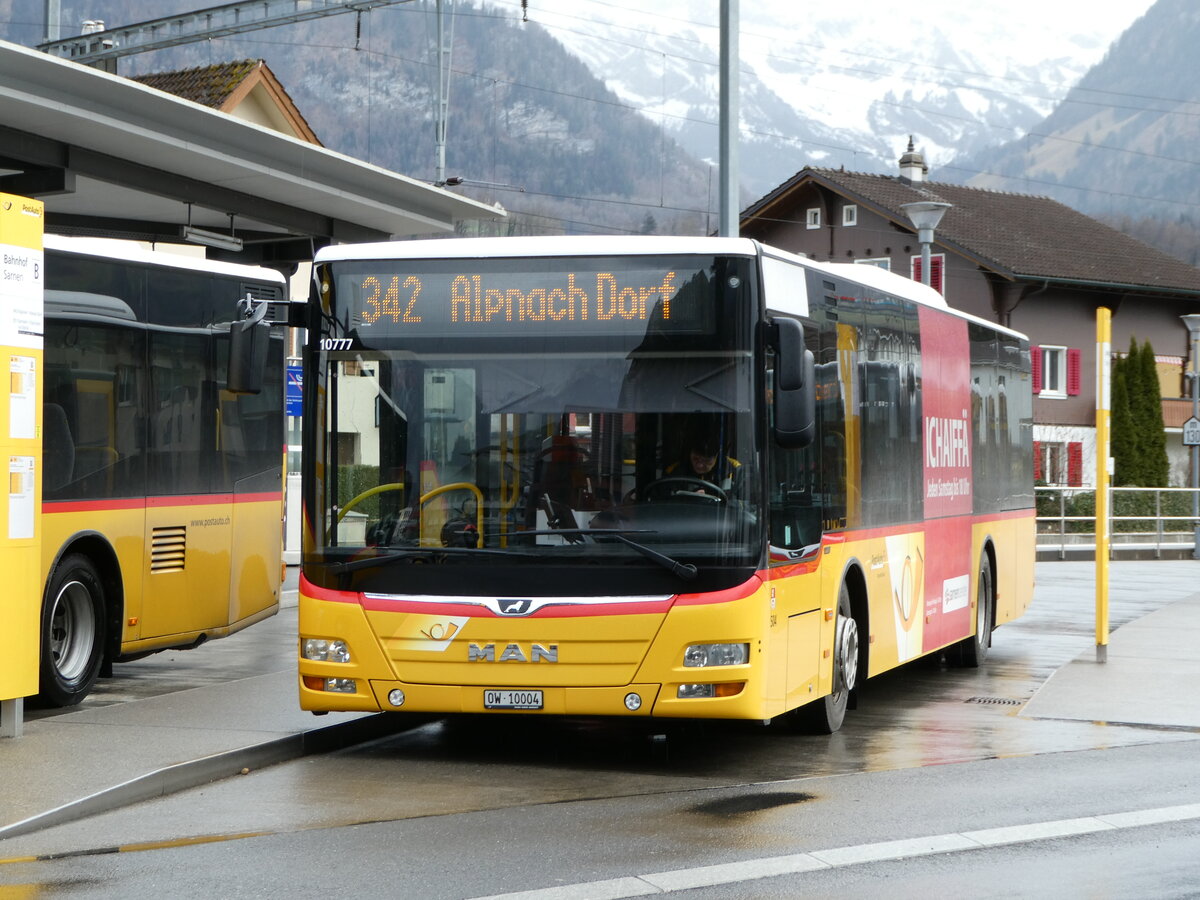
column 912, row 165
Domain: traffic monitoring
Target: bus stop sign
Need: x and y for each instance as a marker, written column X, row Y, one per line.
column 1191, row 432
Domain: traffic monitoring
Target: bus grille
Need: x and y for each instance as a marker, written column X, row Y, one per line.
column 168, row 548
column 499, row 652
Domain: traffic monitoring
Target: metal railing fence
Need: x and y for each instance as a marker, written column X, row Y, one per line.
column 1158, row 518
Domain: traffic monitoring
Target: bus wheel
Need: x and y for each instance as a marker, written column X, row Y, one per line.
column 73, row 618
column 825, row 716
column 972, row 651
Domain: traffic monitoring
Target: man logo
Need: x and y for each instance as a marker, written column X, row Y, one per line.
column 512, row 653
column 514, row 607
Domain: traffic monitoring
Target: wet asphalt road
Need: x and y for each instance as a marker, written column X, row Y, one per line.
column 930, row 748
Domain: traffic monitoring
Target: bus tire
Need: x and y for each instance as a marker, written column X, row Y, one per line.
column 74, row 614
column 972, row 651
column 825, row 716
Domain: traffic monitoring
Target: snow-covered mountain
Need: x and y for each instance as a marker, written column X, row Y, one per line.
column 828, row 87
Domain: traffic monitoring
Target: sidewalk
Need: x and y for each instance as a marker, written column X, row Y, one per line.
column 238, row 710
column 1151, row 676
column 139, row 736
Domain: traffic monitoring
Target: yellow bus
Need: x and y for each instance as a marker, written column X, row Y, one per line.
column 504, row 511
column 162, row 490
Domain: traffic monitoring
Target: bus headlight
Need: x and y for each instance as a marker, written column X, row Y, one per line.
column 331, row 685
column 694, row 691
column 325, row 650
column 700, row 655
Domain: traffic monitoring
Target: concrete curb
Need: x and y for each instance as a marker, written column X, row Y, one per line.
column 198, row 772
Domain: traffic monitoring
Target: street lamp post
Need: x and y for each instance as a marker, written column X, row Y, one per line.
column 1192, row 322
column 925, row 216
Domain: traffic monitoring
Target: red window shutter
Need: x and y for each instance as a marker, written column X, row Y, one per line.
column 1035, row 358
column 936, row 263
column 1074, row 464
column 1037, row 460
column 1073, row 374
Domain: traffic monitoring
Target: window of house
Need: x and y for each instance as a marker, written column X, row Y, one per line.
column 1058, row 463
column 849, row 214
column 882, row 262
column 937, row 266
column 1051, row 462
column 812, row 218
column 1056, row 371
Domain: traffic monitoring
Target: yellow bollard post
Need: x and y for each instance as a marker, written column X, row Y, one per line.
column 1103, row 463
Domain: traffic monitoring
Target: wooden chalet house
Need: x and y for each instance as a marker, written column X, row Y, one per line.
column 1026, row 262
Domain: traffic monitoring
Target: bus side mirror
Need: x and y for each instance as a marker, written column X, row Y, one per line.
column 795, row 387
column 789, row 357
column 248, row 339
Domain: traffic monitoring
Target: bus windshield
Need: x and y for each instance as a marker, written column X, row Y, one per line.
column 509, row 414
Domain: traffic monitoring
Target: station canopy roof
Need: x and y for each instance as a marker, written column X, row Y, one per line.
column 111, row 157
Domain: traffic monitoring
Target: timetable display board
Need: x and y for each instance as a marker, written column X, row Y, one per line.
column 22, row 278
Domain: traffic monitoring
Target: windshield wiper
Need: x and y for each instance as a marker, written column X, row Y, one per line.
column 686, row 571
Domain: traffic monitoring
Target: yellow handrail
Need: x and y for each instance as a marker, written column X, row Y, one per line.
column 370, row 492
column 461, row 486
column 425, row 498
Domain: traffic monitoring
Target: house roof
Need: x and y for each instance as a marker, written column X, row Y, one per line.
column 1017, row 236
column 225, row 86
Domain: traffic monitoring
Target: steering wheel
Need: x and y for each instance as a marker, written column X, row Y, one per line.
column 686, row 487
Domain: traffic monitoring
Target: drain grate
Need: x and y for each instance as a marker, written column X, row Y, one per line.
column 995, row 701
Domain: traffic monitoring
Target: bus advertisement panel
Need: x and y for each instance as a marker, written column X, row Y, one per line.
column 653, row 476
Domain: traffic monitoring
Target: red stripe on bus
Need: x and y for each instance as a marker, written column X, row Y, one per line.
column 739, row 592
column 308, row 589
column 474, row 610
column 68, row 506
column 865, row 534
column 450, row 607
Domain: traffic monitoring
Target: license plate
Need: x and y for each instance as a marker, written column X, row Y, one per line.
column 504, row 699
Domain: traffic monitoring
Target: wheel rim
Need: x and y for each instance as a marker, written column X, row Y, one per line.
column 845, row 670
column 982, row 613
column 72, row 630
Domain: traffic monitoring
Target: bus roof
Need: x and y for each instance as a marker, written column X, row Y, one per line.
column 131, row 251
column 885, row 280
column 557, row 245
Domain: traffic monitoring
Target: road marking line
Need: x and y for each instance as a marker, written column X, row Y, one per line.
column 923, row 846
column 814, row 860
column 612, row 889
column 731, row 873
column 1037, row 831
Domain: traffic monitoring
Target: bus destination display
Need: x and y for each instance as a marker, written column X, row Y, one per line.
column 513, row 303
